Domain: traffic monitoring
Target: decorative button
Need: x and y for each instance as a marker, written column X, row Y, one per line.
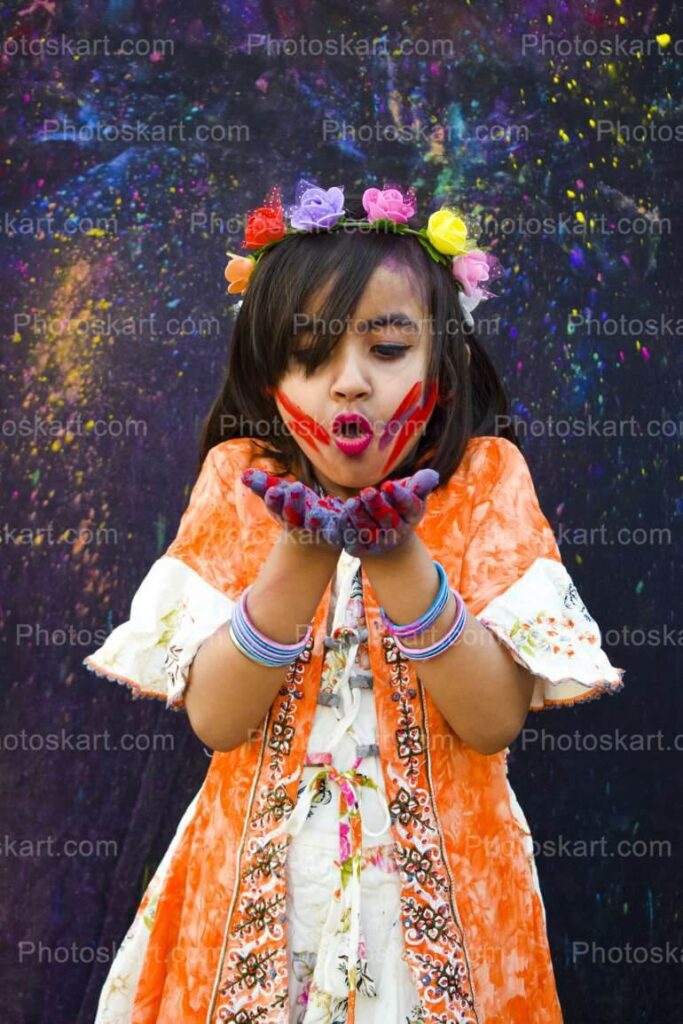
column 362, row 678
column 367, row 750
column 345, row 636
column 331, row 699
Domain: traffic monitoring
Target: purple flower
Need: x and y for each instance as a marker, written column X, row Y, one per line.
column 317, row 208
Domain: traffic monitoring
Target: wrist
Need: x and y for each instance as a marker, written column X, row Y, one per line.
column 405, row 548
column 304, row 543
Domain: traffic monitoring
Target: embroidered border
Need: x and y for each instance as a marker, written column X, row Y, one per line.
column 252, row 982
column 434, row 938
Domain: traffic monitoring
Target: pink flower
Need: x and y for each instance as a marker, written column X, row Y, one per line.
column 470, row 270
column 347, row 790
column 388, row 204
column 344, row 842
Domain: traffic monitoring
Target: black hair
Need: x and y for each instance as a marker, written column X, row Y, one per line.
column 472, row 400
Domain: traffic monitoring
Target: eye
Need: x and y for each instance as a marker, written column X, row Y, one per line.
column 393, row 351
column 387, row 352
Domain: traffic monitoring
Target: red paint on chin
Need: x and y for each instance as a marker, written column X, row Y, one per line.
column 414, row 422
column 302, row 424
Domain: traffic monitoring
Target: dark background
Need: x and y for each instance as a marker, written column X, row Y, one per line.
column 64, row 915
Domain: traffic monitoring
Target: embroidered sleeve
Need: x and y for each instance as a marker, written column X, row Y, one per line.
column 514, row 581
column 186, row 595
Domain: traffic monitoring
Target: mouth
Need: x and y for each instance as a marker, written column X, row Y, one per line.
column 352, row 433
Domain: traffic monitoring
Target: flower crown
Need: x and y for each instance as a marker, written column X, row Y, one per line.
column 445, row 238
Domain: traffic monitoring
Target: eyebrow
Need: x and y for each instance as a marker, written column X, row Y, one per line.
column 388, row 319
column 385, row 320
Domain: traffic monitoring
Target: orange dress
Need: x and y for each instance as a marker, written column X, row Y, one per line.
column 209, row 942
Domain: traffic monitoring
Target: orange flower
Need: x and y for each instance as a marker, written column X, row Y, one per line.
column 237, row 273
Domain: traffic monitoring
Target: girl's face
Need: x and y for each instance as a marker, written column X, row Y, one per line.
column 378, row 370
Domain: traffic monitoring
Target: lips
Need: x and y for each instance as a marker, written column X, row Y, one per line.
column 352, row 432
column 343, row 420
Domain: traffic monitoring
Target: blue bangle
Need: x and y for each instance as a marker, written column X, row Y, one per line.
column 430, row 616
column 453, row 634
column 256, row 645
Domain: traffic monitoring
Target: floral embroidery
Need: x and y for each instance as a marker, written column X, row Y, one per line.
column 176, row 671
column 545, row 632
column 322, row 796
column 417, row 1015
column 277, row 805
column 434, row 938
column 418, row 864
column 267, row 862
column 255, row 958
column 405, row 808
column 572, row 599
column 329, row 980
column 546, row 627
column 381, row 857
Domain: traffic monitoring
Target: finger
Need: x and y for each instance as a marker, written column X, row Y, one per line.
column 259, row 481
column 408, row 504
column 332, row 503
column 330, row 530
column 423, row 482
column 362, row 522
column 274, row 499
column 335, row 510
column 294, row 504
column 347, row 533
column 320, row 519
column 381, row 510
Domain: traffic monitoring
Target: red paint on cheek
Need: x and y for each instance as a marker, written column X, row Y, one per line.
column 413, row 424
column 304, row 433
column 306, row 427
column 408, row 402
column 410, row 399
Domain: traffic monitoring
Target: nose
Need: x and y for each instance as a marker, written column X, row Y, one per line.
column 349, row 375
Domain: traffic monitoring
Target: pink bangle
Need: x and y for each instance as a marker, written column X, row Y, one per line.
column 453, row 634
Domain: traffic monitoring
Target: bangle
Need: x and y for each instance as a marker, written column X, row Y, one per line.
column 256, row 645
column 430, row 616
column 453, row 634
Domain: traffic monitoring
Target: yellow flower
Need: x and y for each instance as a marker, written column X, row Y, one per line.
column 447, row 232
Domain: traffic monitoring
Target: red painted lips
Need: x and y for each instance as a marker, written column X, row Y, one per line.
column 352, row 432
column 362, row 423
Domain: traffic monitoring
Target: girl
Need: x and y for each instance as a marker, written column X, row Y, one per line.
column 362, row 603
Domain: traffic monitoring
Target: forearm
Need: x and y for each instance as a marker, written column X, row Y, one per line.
column 227, row 693
column 481, row 691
